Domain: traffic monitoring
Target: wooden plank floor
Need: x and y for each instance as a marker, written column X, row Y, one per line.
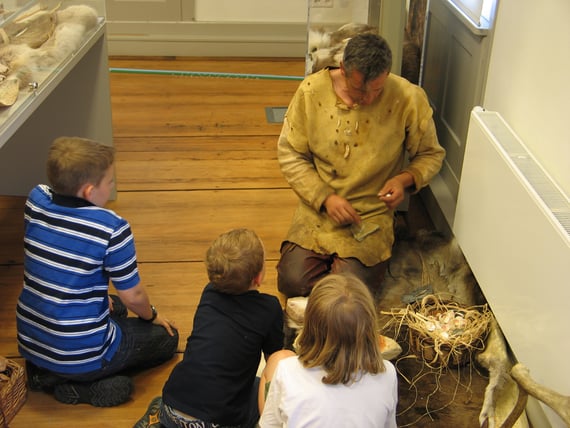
column 195, row 157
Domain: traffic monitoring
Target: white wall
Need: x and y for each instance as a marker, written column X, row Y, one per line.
column 528, row 84
column 251, row 10
column 529, row 80
column 246, row 28
column 279, row 11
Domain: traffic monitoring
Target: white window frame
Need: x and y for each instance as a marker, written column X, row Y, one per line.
column 478, row 12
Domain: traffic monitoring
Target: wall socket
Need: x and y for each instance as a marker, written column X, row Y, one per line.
column 320, row 3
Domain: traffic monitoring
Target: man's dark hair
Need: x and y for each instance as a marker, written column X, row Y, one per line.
column 369, row 54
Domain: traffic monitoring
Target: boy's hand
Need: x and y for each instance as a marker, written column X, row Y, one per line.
column 166, row 323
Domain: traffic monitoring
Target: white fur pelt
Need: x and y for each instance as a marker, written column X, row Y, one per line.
column 326, row 48
column 71, row 25
column 432, row 261
column 29, row 64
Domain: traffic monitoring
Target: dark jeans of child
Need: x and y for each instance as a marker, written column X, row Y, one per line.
column 170, row 418
column 143, row 345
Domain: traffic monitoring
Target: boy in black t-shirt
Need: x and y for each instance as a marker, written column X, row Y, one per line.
column 215, row 384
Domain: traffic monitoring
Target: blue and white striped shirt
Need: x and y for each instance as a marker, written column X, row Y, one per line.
column 72, row 250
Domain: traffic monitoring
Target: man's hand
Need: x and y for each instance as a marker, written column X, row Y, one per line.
column 393, row 191
column 340, row 210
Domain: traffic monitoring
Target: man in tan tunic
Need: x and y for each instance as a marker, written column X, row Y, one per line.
column 342, row 150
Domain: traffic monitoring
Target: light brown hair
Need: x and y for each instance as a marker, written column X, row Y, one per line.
column 234, row 259
column 74, row 161
column 339, row 332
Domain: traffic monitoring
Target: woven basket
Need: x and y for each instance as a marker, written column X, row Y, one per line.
column 452, row 352
column 12, row 393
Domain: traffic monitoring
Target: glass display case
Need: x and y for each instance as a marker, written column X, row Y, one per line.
column 53, row 81
column 330, row 23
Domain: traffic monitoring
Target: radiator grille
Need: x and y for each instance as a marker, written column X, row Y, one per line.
column 557, row 204
column 512, row 223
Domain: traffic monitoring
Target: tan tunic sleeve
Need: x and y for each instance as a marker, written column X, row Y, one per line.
column 299, row 170
column 425, row 153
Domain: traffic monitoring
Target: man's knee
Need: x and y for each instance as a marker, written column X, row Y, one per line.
column 291, row 280
column 298, row 269
column 291, row 284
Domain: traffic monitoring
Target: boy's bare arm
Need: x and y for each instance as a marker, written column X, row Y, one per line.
column 137, row 301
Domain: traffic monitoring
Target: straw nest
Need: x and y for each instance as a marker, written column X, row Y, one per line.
column 443, row 333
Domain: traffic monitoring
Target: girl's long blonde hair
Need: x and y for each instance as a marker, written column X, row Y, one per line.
column 339, row 332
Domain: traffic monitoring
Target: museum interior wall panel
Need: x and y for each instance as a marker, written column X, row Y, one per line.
column 455, row 58
column 55, row 82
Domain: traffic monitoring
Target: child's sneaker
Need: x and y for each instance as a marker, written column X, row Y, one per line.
column 151, row 417
column 107, row 392
column 41, row 379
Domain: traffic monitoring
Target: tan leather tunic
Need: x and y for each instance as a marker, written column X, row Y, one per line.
column 326, row 147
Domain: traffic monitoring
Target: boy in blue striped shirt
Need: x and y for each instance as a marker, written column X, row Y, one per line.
column 74, row 341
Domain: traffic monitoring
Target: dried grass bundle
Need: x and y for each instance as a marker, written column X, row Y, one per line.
column 444, row 333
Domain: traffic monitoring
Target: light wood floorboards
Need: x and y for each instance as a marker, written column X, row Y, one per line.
column 195, row 157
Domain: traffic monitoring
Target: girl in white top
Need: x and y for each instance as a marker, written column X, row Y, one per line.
column 338, row 377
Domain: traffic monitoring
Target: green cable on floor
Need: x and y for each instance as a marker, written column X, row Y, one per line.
column 204, row 74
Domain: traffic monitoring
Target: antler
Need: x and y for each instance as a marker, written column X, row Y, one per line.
column 557, row 402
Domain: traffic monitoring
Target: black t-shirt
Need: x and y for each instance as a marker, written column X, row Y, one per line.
column 214, row 379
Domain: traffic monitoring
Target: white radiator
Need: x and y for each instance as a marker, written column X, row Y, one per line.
column 513, row 225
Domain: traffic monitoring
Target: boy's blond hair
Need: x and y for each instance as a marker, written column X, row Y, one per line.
column 339, row 332
column 74, row 161
column 234, row 259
